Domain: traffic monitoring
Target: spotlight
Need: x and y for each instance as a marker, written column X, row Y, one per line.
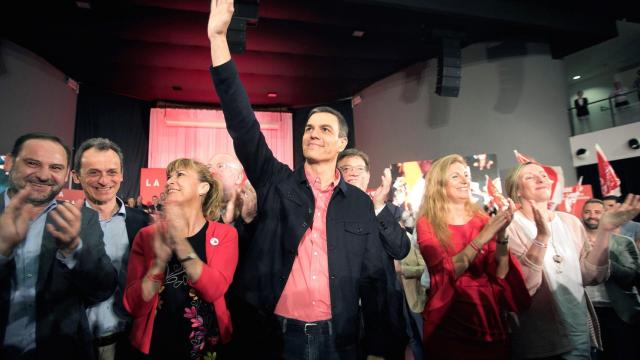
column 634, row 144
column 581, row 153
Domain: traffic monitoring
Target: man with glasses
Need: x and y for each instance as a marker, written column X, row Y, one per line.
column 354, row 166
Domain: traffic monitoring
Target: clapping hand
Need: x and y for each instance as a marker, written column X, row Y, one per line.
column 67, row 219
column 542, row 224
column 14, row 222
column 381, row 194
column 620, row 213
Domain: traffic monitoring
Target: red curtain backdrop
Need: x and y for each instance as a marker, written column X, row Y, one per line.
column 200, row 134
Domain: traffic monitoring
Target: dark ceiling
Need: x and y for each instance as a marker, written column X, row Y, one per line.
column 304, row 51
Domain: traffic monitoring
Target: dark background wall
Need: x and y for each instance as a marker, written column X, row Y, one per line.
column 300, row 120
column 123, row 120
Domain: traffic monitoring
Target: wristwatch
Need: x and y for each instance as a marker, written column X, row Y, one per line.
column 190, row 256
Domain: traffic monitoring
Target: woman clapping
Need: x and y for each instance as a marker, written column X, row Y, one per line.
column 180, row 269
column 557, row 262
column 474, row 280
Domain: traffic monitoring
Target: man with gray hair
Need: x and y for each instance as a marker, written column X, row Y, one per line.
column 98, row 166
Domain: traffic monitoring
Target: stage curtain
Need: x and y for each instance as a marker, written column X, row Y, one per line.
column 200, row 134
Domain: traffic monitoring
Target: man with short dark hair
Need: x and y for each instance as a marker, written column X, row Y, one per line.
column 52, row 258
column 616, row 301
column 354, row 167
column 98, row 167
column 630, row 228
column 316, row 250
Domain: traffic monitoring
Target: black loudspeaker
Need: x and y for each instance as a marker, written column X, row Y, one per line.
column 449, row 64
column 237, row 35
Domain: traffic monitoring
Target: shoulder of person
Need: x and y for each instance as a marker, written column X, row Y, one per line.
column 220, row 229
column 138, row 214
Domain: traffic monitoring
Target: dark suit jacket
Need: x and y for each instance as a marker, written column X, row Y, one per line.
column 62, row 295
column 285, row 212
column 135, row 220
column 396, row 244
column 622, row 283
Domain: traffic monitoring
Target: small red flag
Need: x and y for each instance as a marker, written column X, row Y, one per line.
column 609, row 181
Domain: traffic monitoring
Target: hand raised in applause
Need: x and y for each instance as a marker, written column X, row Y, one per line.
column 620, row 213
column 14, row 222
column 67, row 219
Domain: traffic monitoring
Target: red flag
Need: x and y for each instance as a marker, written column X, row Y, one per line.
column 554, row 174
column 497, row 201
column 609, row 181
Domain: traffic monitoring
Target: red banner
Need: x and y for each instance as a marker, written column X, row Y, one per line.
column 151, row 183
column 70, row 195
column 573, row 199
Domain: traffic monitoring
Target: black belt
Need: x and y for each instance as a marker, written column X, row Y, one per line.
column 109, row 339
column 308, row 328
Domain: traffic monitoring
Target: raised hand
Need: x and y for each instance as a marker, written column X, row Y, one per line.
column 176, row 226
column 542, row 224
column 620, row 213
column 249, row 203
column 67, row 219
column 496, row 224
column 381, row 194
column 219, row 18
column 161, row 247
column 230, row 209
column 14, row 222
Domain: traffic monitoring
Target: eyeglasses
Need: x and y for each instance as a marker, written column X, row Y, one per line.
column 354, row 169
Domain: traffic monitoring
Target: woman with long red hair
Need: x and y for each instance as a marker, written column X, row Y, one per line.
column 474, row 280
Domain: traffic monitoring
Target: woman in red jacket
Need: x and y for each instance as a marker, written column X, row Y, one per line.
column 474, row 280
column 180, row 268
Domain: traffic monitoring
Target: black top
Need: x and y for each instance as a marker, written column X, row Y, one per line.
column 581, row 109
column 185, row 326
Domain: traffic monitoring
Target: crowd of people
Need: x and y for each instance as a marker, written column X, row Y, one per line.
column 245, row 258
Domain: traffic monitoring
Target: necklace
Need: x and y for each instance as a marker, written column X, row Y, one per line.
column 557, row 258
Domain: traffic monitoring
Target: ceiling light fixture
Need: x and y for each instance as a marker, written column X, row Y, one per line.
column 577, row 77
column 272, row 94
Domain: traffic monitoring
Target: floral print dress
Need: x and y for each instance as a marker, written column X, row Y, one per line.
column 185, row 326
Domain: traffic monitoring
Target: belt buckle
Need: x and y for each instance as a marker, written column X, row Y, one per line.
column 307, row 326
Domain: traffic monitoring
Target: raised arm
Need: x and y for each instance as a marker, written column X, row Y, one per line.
column 248, row 141
column 219, row 20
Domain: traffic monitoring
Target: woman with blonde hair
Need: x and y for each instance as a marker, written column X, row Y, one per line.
column 557, row 262
column 180, row 269
column 474, row 280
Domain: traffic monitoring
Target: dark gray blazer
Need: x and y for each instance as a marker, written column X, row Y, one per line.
column 624, row 279
column 62, row 295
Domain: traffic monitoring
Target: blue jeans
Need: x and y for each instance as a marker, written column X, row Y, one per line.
column 312, row 341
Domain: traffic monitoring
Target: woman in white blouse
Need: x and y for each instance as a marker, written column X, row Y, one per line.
column 557, row 262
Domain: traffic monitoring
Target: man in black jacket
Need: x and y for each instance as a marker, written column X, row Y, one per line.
column 52, row 258
column 316, row 250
